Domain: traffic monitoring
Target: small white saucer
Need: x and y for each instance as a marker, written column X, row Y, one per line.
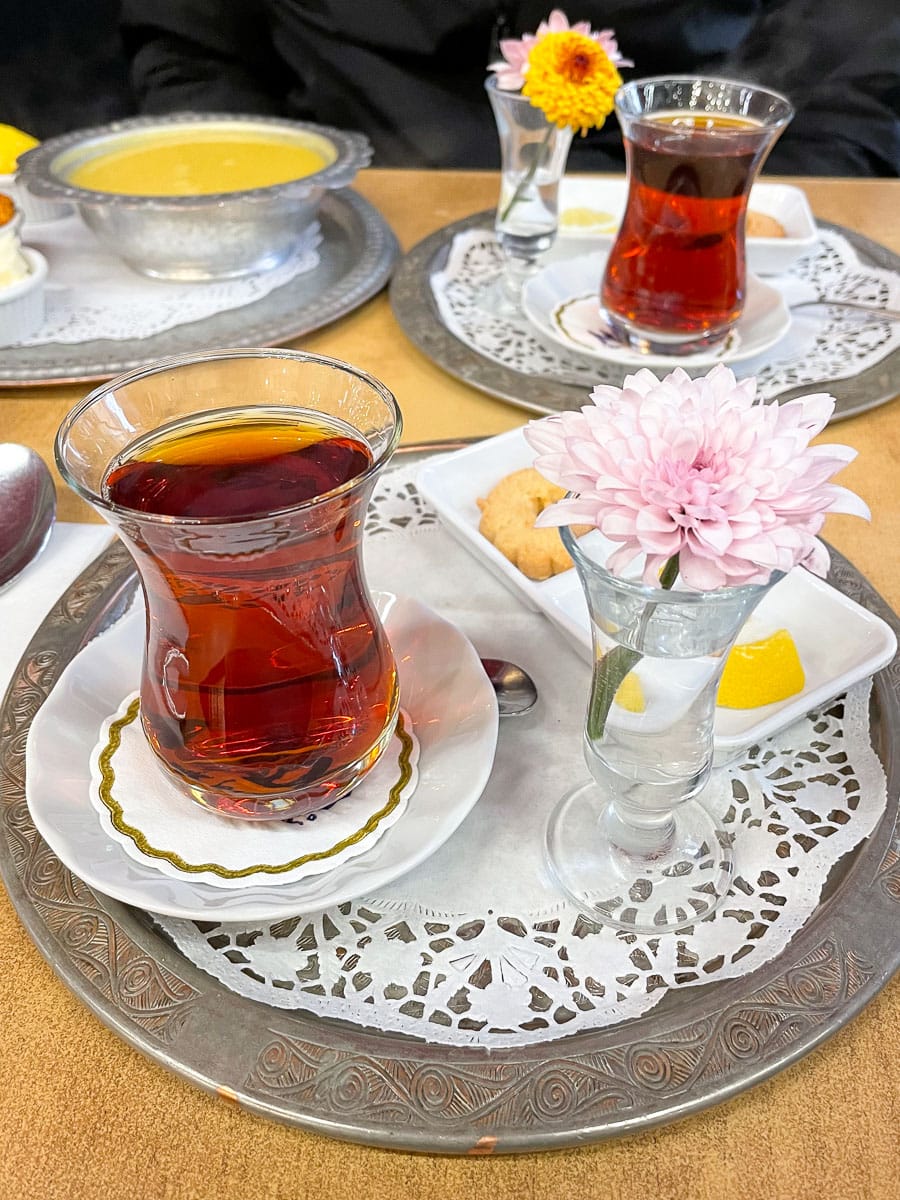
column 146, row 812
column 443, row 688
column 561, row 301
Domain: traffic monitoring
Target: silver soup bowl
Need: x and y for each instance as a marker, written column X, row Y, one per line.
column 219, row 235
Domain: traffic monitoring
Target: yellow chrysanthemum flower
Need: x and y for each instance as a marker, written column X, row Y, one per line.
column 571, row 79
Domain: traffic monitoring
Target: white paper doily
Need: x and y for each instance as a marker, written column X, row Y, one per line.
column 821, row 344
column 475, row 946
column 91, row 295
column 143, row 810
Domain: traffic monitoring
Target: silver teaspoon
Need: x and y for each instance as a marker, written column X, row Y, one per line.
column 516, row 690
column 27, row 508
column 890, row 314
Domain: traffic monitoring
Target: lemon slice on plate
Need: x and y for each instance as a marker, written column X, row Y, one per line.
column 590, row 219
column 630, row 694
column 13, row 142
column 761, row 672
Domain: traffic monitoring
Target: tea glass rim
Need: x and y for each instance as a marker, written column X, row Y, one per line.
column 636, row 590
column 632, row 85
column 98, row 500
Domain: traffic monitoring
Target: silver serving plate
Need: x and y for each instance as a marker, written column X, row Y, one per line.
column 696, row 1048
column 219, row 235
column 356, row 256
column 413, row 303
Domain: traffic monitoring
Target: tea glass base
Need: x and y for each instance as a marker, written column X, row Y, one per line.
column 683, row 882
column 652, row 341
column 292, row 802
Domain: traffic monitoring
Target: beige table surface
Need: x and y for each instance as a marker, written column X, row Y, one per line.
column 84, row 1115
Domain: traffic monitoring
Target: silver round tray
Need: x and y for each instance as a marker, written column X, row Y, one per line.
column 356, row 256
column 696, row 1048
column 415, row 310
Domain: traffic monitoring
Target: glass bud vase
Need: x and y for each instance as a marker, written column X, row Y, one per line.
column 533, row 154
column 635, row 847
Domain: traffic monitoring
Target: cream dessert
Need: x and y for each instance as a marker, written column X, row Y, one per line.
column 23, row 272
column 13, row 263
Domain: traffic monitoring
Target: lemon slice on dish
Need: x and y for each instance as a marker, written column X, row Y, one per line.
column 630, row 694
column 761, row 672
column 588, row 218
column 13, row 142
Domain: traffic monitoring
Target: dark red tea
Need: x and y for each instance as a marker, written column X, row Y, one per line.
column 677, row 265
column 268, row 671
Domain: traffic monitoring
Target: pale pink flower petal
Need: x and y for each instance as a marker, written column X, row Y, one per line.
column 845, row 501
column 620, row 560
column 557, row 22
column 699, row 468
column 699, row 573
column 606, row 39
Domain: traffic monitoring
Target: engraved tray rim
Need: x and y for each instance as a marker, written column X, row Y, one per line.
column 389, row 1090
column 416, row 312
column 356, row 256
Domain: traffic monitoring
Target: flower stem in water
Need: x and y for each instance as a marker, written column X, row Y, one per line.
column 529, row 174
column 611, row 670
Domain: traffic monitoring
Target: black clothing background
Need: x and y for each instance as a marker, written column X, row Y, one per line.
column 410, row 73
column 62, row 65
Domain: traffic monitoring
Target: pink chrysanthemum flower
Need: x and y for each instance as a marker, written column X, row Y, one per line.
column 513, row 68
column 700, row 469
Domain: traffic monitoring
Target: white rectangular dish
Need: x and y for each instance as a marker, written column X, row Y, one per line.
column 838, row 641
column 582, row 195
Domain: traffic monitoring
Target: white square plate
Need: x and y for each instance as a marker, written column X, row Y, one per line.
column 838, row 641
column 765, row 255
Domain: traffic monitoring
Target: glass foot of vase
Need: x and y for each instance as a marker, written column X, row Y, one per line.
column 503, row 295
column 683, row 879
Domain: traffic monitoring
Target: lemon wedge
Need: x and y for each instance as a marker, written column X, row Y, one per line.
column 13, row 142
column 761, row 672
column 587, row 218
column 630, row 694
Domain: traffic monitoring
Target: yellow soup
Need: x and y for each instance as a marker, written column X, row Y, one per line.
column 197, row 165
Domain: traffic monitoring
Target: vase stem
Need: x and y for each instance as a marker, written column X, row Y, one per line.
column 638, row 833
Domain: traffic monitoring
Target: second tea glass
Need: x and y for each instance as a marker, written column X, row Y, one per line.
column 268, row 687
column 675, row 280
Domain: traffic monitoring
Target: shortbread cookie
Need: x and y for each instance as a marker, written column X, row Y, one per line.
column 508, row 514
column 762, row 225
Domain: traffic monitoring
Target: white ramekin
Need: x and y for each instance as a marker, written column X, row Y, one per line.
column 22, row 304
column 34, row 208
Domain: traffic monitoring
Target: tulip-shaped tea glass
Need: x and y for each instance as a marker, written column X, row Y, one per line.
column 675, row 280
column 533, row 154
column 635, row 847
column 239, row 480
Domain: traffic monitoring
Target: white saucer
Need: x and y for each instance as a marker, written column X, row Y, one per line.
column 561, row 301
column 443, row 688
column 147, row 814
column 838, row 641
